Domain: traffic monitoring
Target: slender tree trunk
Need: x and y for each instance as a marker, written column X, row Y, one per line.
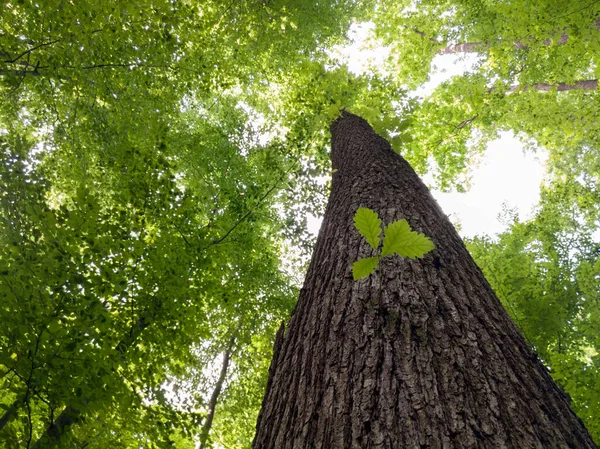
column 212, row 405
column 433, row 361
column 559, row 87
column 474, row 47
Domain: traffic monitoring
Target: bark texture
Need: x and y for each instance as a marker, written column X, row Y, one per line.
column 434, row 362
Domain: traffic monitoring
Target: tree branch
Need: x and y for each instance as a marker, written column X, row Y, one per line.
column 560, row 87
column 247, row 214
column 26, row 52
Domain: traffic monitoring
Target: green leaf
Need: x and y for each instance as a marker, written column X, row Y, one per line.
column 400, row 239
column 369, row 225
column 364, row 267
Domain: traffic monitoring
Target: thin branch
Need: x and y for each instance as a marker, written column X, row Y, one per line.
column 28, row 393
column 466, row 122
column 247, row 214
column 560, row 87
column 27, row 52
column 29, row 424
column 187, row 242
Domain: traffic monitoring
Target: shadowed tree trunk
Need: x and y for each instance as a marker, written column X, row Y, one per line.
column 434, row 361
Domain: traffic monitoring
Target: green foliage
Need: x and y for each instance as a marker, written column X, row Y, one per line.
column 510, row 49
column 546, row 272
column 368, row 224
column 364, row 267
column 156, row 158
column 398, row 238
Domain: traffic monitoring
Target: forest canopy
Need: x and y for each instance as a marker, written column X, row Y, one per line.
column 159, row 160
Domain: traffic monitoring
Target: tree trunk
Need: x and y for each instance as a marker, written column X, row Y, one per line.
column 474, row 47
column 560, row 87
column 212, row 405
column 433, row 361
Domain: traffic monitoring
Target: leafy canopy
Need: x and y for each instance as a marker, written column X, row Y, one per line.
column 158, row 158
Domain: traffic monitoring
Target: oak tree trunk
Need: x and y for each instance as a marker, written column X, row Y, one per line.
column 433, row 361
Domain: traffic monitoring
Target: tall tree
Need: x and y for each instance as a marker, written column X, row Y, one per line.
column 421, row 355
column 133, row 197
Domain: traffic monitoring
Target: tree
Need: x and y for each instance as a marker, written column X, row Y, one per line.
column 518, row 50
column 137, row 209
column 523, row 42
column 421, row 355
column 156, row 160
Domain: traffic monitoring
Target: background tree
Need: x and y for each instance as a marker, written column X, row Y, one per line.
column 546, row 271
column 523, row 55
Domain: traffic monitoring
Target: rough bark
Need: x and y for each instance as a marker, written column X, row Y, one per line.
column 433, row 362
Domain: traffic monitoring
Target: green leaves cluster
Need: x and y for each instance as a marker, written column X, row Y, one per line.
column 398, row 238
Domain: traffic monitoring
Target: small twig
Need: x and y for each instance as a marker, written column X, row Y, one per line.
column 27, row 52
column 466, row 122
column 182, row 235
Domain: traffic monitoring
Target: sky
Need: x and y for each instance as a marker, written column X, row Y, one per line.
column 506, row 177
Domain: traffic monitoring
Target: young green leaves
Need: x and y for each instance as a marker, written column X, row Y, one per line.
column 398, row 238
column 369, row 225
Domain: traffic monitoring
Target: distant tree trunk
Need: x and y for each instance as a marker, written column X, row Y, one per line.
column 474, row 47
column 434, row 361
column 560, row 87
column 212, row 405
